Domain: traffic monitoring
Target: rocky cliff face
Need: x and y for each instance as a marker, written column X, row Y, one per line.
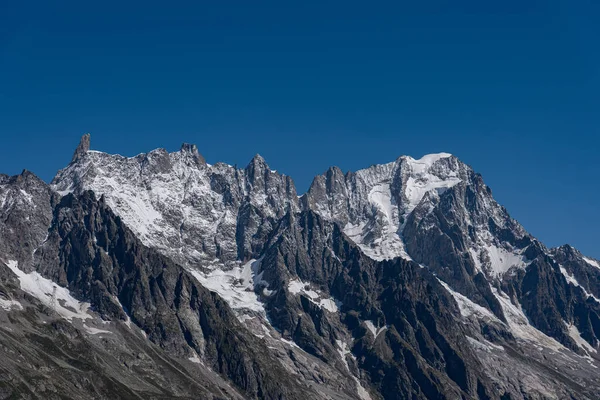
column 183, row 279
column 96, row 257
column 392, row 320
column 26, row 211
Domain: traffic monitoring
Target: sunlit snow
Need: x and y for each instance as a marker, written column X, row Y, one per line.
column 466, row 306
column 374, row 330
column 94, row 331
column 236, row 286
column 296, row 286
column 497, row 260
column 343, row 351
column 10, row 304
column 50, row 294
column 195, row 359
column 519, row 324
column 370, row 192
column 571, row 279
column 422, row 180
column 581, row 342
column 591, row 262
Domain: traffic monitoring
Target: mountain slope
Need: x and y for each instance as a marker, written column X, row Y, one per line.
column 438, row 212
column 101, row 260
column 402, row 280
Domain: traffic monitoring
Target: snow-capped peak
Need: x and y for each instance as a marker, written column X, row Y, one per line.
column 375, row 205
column 372, row 203
column 427, row 174
column 187, row 209
column 207, row 215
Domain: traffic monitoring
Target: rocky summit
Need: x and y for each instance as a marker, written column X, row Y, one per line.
column 161, row 276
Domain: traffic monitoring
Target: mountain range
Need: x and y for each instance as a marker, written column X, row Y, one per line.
column 161, row 276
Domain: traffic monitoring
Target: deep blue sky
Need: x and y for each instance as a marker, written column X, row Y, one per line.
column 512, row 88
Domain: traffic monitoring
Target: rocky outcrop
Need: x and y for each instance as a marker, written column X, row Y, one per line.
column 583, row 270
column 25, row 213
column 82, row 148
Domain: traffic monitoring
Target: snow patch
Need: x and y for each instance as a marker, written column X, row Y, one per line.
column 501, row 260
column 591, row 262
column 236, row 285
column 343, row 351
column 27, row 196
column 361, row 391
column 195, row 359
column 466, row 306
column 497, row 260
column 374, row 330
column 291, row 343
column 517, row 322
column 50, row 294
column 581, row 342
column 127, row 321
column 422, row 180
column 296, row 286
column 571, row 279
column 483, row 345
column 381, row 196
column 10, row 304
column 330, row 304
column 520, row 326
column 94, row 331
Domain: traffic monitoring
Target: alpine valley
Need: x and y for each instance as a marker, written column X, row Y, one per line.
column 160, row 276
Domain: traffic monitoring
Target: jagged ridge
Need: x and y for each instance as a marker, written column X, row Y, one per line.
column 412, row 260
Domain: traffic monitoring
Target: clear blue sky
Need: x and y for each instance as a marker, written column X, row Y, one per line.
column 511, row 88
